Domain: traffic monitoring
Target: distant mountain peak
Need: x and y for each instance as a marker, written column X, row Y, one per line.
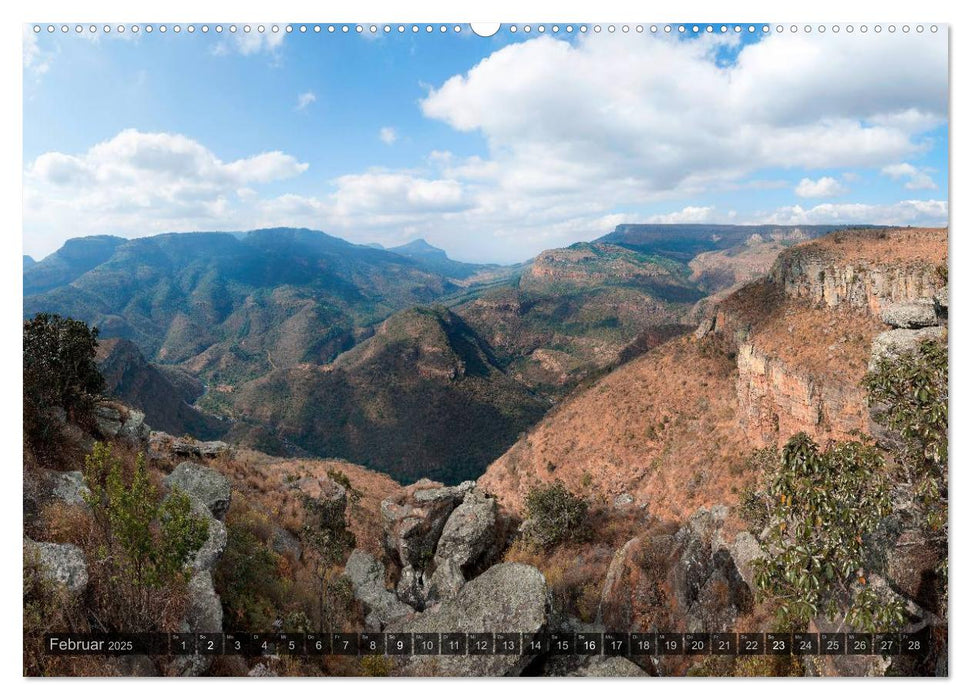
column 419, row 246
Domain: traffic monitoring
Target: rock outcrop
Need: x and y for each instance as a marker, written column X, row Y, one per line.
column 505, row 597
column 367, row 579
column 204, row 484
column 414, row 522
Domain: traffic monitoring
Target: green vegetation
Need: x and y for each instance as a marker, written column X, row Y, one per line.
column 248, row 579
column 555, row 515
column 145, row 541
column 823, row 505
column 909, row 394
column 59, row 372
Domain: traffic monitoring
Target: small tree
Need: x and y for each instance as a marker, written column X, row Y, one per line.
column 554, row 514
column 145, row 541
column 59, row 369
column 822, row 505
column 328, row 540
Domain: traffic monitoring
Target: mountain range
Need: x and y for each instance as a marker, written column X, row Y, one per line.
column 399, row 359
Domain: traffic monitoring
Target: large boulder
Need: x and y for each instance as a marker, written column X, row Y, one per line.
column 468, row 536
column 910, row 314
column 204, row 484
column 284, row 542
column 900, row 341
column 61, row 564
column 381, row 606
column 745, row 550
column 507, row 597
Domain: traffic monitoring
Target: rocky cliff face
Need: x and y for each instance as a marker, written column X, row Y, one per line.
column 804, row 335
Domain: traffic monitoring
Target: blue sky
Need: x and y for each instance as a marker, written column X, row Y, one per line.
column 492, row 148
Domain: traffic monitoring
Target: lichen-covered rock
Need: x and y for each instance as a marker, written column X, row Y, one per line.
column 607, row 667
column 61, row 564
column 900, row 341
column 745, row 550
column 506, row 597
column 366, row 575
column 413, row 524
column 108, row 420
column 326, row 498
column 204, row 484
column 469, row 531
column 212, row 448
column 134, row 427
column 207, row 556
column 69, row 487
column 204, row 613
column 910, row 314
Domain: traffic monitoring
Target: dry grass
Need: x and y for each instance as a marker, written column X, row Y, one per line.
column 663, row 428
column 902, row 245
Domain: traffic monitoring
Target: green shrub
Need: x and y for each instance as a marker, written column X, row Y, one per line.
column 823, row 506
column 145, row 541
column 555, row 514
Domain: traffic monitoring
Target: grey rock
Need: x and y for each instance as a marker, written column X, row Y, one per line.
column 366, row 575
column 204, row 614
column 414, row 522
column 940, row 301
column 327, row 498
column 745, row 550
column 706, row 326
column 614, row 582
column 207, row 556
column 900, row 341
column 469, row 531
column 202, row 483
column 69, row 487
column 910, row 314
column 282, row 541
column 261, row 670
column 61, row 564
column 134, row 428
column 623, row 500
column 213, row 448
column 136, row 666
column 108, row 420
column 506, row 597
column 607, row 667
column 446, row 581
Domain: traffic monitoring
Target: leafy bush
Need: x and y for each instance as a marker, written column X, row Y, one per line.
column 824, row 504
column 554, row 514
column 909, row 394
column 145, row 541
column 59, row 370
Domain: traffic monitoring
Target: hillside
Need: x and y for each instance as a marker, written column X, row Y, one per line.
column 423, row 397
column 684, row 241
column 230, row 307
column 780, row 355
column 164, row 395
column 575, row 310
column 436, row 260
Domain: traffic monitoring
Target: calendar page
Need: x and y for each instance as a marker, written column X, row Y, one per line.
column 547, row 349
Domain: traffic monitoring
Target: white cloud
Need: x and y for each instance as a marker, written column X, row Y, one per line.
column 612, row 113
column 304, row 100
column 823, row 187
column 688, row 215
column 250, row 43
column 138, row 183
column 388, row 135
column 908, row 212
column 916, row 178
column 35, row 60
